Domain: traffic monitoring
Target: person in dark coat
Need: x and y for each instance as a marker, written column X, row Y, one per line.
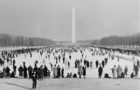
column 30, row 71
column 100, row 71
column 84, row 71
column 68, row 64
column 8, row 71
column 58, row 71
column 14, row 62
column 45, row 70
column 138, row 63
column 40, row 73
column 76, row 63
column 34, row 79
column 63, row 60
column 97, row 63
column 103, row 63
column 36, row 69
column 14, row 68
column 1, row 62
column 62, row 72
column 88, row 64
column 136, row 70
column 20, row 69
column 25, row 71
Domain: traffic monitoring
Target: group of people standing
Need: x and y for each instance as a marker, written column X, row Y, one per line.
column 57, row 56
column 42, row 71
column 117, row 72
column 58, row 72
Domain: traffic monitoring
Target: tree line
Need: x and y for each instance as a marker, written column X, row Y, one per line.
column 12, row 40
column 130, row 40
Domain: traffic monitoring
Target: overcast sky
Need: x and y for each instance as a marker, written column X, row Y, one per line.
column 52, row 18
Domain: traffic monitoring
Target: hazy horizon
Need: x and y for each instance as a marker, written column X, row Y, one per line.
column 51, row 19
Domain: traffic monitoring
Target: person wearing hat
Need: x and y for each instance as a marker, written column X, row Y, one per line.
column 34, row 79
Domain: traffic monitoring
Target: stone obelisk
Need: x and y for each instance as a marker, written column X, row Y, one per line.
column 73, row 26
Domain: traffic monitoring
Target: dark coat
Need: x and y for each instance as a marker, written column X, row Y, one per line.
column 20, row 71
column 84, row 71
column 25, row 71
column 100, row 70
column 58, row 71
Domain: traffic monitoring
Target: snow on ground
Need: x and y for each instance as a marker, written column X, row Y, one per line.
column 92, row 73
column 71, row 84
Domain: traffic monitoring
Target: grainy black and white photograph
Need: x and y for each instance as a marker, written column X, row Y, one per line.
column 69, row 45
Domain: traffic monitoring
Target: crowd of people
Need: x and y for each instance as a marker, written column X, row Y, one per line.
column 58, row 62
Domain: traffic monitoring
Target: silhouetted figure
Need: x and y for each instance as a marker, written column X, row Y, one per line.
column 100, row 71
column 30, row 71
column 20, row 69
column 84, row 71
column 103, row 63
column 25, row 71
column 14, row 69
column 125, row 70
column 97, row 63
column 14, row 62
column 40, row 73
column 62, row 72
column 136, row 70
column 45, row 71
column 58, row 71
column 138, row 63
column 68, row 64
column 34, row 79
column 8, row 71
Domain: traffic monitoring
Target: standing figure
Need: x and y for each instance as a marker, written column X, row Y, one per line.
column 62, row 72
column 14, row 69
column 114, row 72
column 20, row 69
column 34, row 79
column 138, row 63
column 136, row 70
column 25, row 71
column 58, row 71
column 125, row 70
column 119, row 71
column 103, row 63
column 84, row 71
column 45, row 70
column 97, row 63
column 55, row 71
column 100, row 71
column 30, row 71
column 80, row 71
column 8, row 71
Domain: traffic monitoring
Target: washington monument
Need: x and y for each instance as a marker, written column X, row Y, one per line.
column 73, row 26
